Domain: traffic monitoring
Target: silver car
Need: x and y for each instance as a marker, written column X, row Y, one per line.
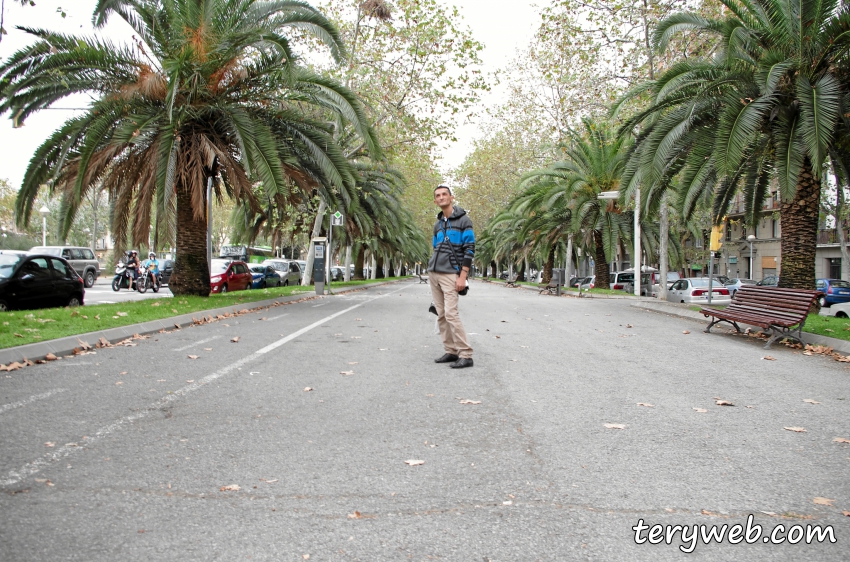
column 284, row 269
column 695, row 290
column 81, row 259
column 735, row 284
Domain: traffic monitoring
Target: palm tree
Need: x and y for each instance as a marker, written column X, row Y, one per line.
column 211, row 92
column 593, row 163
column 772, row 105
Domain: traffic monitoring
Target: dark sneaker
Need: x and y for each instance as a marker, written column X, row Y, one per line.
column 462, row 363
column 447, row 358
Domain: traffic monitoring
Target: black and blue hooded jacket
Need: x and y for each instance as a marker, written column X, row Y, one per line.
column 458, row 230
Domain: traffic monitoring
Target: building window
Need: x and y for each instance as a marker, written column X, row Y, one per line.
column 728, row 231
column 833, row 265
column 774, row 233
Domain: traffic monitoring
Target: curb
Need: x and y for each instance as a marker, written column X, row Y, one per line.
column 67, row 345
column 574, row 295
column 841, row 346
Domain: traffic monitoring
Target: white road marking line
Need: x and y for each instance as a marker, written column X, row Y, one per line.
column 318, row 305
column 15, row 476
column 269, row 319
column 5, row 408
column 199, row 342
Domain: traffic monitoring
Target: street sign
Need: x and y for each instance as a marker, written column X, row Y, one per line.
column 336, row 219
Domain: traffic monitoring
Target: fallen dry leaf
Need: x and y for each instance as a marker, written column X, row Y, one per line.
column 50, row 357
column 645, row 404
column 509, row 502
column 823, row 501
column 193, row 357
column 498, row 337
column 769, row 358
column 686, row 331
column 615, row 426
column 845, row 513
column 840, row 440
column 50, row 444
column 119, row 382
column 230, row 488
column 629, row 326
column 810, row 401
column 414, row 462
column 470, row 401
column 192, row 380
column 355, row 515
column 207, row 349
column 305, row 556
column 346, row 373
column 121, row 313
column 308, row 388
column 796, row 429
column 723, row 403
column 700, row 410
column 352, row 362
column 235, row 340
column 123, row 373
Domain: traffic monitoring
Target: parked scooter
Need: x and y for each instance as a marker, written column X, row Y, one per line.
column 148, row 280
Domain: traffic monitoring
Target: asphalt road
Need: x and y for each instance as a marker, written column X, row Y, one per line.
column 101, row 292
column 123, row 454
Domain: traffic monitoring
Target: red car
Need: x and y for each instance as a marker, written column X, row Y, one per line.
column 228, row 275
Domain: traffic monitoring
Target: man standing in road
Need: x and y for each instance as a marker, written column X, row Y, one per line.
column 454, row 248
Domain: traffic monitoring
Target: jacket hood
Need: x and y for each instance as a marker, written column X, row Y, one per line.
column 457, row 212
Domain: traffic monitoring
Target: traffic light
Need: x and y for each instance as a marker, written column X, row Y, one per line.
column 717, row 236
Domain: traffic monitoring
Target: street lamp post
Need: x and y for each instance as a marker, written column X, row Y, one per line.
column 751, row 238
column 44, row 211
column 636, row 258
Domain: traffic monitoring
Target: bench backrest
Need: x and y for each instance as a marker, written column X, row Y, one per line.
column 789, row 305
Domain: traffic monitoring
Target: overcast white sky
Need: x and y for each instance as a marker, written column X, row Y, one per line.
column 503, row 26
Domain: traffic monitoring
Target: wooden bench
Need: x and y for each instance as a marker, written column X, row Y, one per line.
column 511, row 281
column 422, row 279
column 551, row 288
column 770, row 308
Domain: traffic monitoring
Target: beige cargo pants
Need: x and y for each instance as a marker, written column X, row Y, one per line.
column 444, row 293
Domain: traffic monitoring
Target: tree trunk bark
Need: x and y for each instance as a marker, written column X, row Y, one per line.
column 799, row 223
column 568, row 264
column 662, row 249
column 495, row 267
column 380, row 268
column 839, row 229
column 373, row 270
column 360, row 265
column 601, row 266
column 191, row 271
column 521, row 273
column 347, row 273
column 549, row 266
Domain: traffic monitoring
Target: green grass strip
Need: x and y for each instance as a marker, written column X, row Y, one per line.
column 21, row 327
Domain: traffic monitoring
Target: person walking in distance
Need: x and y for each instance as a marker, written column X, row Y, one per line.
column 454, row 248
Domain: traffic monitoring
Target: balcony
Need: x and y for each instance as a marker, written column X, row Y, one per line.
column 737, row 207
column 830, row 236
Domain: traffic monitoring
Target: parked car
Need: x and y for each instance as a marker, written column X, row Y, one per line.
column 227, row 275
column 769, row 281
column 695, row 290
column 735, row 284
column 166, row 268
column 622, row 280
column 264, row 276
column 576, row 281
column 81, row 259
column 835, row 291
column 289, row 271
column 337, row 273
column 588, row 283
column 655, row 281
column 838, row 310
column 38, row 281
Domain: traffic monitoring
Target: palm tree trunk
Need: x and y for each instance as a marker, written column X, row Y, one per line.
column 359, row 264
column 548, row 266
column 191, row 270
column 601, row 265
column 799, row 223
column 494, row 267
column 373, row 270
column 380, row 268
column 662, row 251
column 347, row 272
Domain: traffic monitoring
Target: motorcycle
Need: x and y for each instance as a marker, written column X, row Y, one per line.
column 123, row 277
column 148, row 280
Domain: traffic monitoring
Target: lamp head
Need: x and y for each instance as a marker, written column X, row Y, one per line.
column 751, row 238
column 44, row 211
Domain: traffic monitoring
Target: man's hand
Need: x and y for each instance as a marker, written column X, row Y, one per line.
column 460, row 285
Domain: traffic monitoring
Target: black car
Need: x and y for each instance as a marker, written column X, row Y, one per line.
column 38, row 281
column 166, row 268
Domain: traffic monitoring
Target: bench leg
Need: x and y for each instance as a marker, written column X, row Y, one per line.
column 719, row 320
column 786, row 333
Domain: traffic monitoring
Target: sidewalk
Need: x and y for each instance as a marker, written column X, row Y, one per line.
column 684, row 311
